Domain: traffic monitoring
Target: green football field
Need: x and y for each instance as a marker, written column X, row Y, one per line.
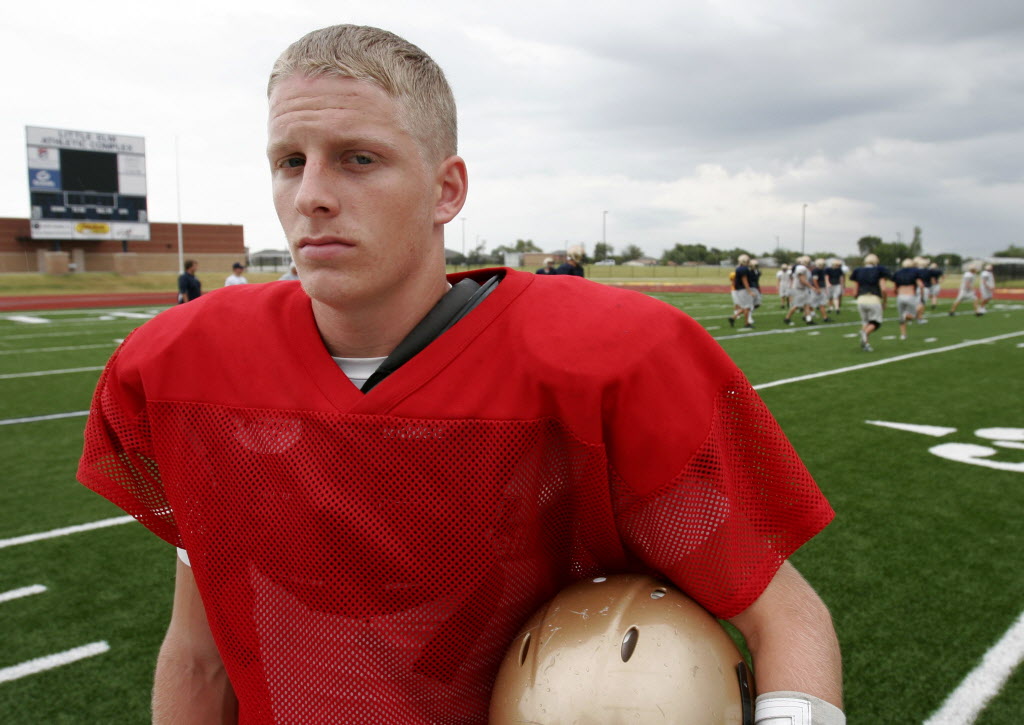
column 919, row 446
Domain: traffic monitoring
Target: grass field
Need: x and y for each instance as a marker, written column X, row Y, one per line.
column 922, row 568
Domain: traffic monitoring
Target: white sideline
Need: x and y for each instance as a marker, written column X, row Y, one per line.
column 56, row 349
column 23, row 592
column 886, row 361
column 52, row 416
column 985, row 681
column 49, row 662
column 11, row 376
column 54, row 533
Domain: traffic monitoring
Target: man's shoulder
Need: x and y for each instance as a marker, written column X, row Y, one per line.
column 224, row 309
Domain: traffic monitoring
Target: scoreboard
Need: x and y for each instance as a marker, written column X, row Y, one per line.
column 85, row 185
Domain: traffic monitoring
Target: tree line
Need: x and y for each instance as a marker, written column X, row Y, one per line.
column 889, row 253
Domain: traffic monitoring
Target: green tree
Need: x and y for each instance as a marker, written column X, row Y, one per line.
column 602, row 251
column 868, row 245
column 1011, row 251
column 630, row 253
column 521, row 245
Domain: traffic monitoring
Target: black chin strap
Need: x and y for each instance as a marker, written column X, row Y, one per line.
column 458, row 302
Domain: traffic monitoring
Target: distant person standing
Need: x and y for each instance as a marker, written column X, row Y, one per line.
column 188, row 286
column 755, row 282
column 549, row 267
column 742, row 297
column 967, row 292
column 867, row 288
column 236, row 276
column 986, row 288
column 292, row 273
column 572, row 266
column 835, row 279
column 935, row 274
column 784, row 279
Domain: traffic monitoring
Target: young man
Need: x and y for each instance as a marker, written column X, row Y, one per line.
column 236, row 276
column 365, row 555
column 783, row 279
column 742, row 295
column 189, row 287
column 908, row 283
column 935, row 274
column 835, row 278
column 986, row 288
column 967, row 292
column 549, row 266
column 870, row 296
column 801, row 292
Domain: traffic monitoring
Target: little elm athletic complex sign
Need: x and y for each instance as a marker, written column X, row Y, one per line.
column 86, row 185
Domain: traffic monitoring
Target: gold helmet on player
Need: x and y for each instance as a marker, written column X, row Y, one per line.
column 622, row 649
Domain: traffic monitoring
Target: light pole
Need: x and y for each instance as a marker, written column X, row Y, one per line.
column 803, row 230
column 604, row 230
column 464, row 260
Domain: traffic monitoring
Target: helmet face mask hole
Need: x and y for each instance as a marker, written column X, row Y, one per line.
column 629, row 641
column 524, row 649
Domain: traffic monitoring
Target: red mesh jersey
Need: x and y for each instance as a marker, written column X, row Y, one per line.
column 367, row 558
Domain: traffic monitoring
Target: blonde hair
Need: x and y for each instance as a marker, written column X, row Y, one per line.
column 743, row 259
column 393, row 64
column 908, row 262
column 871, row 259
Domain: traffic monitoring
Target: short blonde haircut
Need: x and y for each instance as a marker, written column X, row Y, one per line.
column 743, row 259
column 394, row 65
column 871, row 259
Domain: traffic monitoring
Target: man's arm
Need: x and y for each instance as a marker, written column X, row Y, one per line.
column 792, row 641
column 191, row 686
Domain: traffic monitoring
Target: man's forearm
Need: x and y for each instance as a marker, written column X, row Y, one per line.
column 187, row 692
column 792, row 641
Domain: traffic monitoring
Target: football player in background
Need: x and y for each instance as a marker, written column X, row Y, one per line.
column 801, row 292
column 870, row 296
column 967, row 291
column 986, row 288
column 361, row 545
column 908, row 284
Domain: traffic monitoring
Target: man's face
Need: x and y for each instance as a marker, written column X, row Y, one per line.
column 353, row 191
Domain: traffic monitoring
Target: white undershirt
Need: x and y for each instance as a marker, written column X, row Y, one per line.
column 356, row 369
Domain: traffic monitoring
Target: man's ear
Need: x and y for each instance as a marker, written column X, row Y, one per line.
column 452, row 187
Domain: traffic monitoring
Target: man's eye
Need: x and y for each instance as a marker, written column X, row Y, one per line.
column 293, row 162
column 361, row 159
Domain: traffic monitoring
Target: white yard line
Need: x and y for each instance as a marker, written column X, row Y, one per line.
column 886, row 361
column 65, row 531
column 37, row 418
column 56, row 349
column 40, row 373
column 23, row 592
column 985, row 681
column 49, row 662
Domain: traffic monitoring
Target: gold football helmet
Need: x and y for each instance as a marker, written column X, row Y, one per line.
column 622, row 649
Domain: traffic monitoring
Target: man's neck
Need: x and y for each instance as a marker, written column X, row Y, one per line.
column 375, row 329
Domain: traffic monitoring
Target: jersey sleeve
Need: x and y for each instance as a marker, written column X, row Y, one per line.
column 720, row 511
column 117, row 460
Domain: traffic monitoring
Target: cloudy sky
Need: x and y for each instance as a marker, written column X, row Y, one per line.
column 707, row 122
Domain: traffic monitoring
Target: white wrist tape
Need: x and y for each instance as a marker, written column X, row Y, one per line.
column 795, row 708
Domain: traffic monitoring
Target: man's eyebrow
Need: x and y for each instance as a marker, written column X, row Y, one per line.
column 368, row 142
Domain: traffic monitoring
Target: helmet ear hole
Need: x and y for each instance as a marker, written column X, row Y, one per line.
column 629, row 641
column 658, row 593
column 524, row 649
